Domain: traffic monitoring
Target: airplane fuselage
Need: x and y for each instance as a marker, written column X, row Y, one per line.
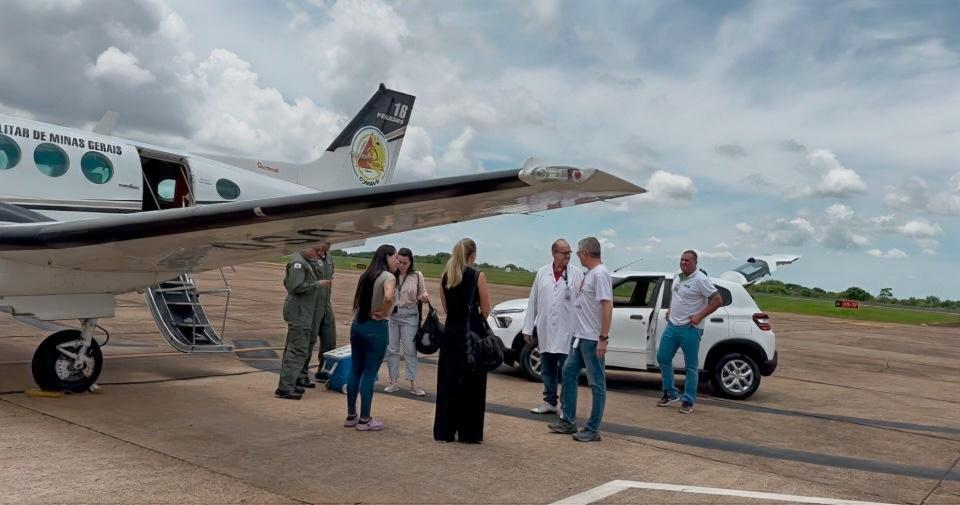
column 68, row 174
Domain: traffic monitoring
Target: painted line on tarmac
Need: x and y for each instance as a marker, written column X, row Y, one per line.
column 616, row 486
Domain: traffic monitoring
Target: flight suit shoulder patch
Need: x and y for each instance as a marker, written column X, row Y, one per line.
column 297, row 265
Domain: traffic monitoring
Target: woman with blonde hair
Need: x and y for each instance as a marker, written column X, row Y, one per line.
column 461, row 392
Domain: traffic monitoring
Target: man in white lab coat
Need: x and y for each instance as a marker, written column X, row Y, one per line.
column 551, row 318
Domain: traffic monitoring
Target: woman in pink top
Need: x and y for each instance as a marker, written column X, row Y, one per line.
column 404, row 322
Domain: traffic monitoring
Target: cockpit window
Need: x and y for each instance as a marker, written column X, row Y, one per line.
column 9, row 153
column 96, row 168
column 51, row 160
column 227, row 189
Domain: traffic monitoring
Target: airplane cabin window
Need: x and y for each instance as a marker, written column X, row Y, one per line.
column 9, row 153
column 227, row 189
column 166, row 189
column 51, row 160
column 96, row 168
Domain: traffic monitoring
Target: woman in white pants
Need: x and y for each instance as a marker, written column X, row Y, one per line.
column 404, row 322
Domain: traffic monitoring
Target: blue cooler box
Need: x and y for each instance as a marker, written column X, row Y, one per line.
column 337, row 365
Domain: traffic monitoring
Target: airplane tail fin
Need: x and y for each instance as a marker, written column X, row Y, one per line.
column 365, row 153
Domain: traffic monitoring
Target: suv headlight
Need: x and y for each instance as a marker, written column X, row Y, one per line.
column 501, row 319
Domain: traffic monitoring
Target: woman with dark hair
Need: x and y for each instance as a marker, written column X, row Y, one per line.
column 461, row 391
column 404, row 323
column 372, row 304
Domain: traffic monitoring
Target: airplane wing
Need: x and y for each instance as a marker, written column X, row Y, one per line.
column 211, row 236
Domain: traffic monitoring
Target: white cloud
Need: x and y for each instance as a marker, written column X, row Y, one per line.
column 459, row 157
column 837, row 180
column 665, row 188
column 639, row 248
column 238, row 116
column 839, row 212
column 119, row 68
column 921, row 228
column 609, row 232
column 605, row 243
column 544, row 12
column 795, row 232
column 362, row 38
column 889, row 254
column 716, row 255
column 654, row 240
column 722, row 245
column 416, row 160
column 744, row 228
column 172, row 27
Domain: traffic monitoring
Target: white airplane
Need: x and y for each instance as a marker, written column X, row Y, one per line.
column 85, row 216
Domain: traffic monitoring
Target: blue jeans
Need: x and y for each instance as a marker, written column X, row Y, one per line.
column 368, row 344
column 686, row 338
column 584, row 354
column 551, row 368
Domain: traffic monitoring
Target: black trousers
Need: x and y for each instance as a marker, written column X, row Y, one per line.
column 461, row 399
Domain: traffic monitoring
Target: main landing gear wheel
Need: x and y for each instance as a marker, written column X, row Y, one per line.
column 55, row 370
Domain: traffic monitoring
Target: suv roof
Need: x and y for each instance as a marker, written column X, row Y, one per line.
column 670, row 275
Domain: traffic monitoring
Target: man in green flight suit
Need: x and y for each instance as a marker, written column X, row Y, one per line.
column 303, row 285
column 327, row 333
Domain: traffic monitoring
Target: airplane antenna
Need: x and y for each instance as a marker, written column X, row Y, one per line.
column 628, row 264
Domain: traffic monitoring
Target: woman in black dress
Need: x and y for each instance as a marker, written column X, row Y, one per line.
column 461, row 392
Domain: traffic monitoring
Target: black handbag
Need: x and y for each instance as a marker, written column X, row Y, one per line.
column 429, row 335
column 482, row 348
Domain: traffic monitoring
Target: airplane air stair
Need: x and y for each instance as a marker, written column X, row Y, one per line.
column 175, row 306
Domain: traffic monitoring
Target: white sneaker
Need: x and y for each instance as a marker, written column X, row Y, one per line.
column 392, row 388
column 546, row 408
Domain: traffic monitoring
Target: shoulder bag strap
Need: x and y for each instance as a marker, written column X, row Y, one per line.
column 419, row 303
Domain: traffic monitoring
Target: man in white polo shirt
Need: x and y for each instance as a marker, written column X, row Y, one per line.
column 694, row 298
column 594, row 308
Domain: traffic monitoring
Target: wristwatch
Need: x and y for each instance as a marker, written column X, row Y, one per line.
column 604, row 338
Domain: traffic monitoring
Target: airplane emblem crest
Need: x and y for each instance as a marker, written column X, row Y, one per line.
column 368, row 153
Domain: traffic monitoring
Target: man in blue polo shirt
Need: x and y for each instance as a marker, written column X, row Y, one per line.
column 693, row 299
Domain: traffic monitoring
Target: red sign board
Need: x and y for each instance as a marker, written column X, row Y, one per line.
column 846, row 304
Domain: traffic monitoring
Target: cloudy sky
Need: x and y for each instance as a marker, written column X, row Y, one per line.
column 828, row 129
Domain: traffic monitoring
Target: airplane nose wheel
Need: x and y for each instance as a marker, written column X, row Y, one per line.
column 56, row 367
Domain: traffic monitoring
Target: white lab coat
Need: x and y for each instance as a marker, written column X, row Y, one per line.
column 551, row 310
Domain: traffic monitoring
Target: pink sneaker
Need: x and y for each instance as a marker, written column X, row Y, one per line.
column 371, row 425
column 351, row 422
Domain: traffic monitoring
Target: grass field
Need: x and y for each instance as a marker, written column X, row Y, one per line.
column 879, row 314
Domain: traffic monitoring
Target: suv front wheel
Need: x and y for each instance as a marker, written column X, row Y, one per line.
column 735, row 375
column 530, row 361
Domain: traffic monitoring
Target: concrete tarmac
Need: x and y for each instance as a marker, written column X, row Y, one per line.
column 856, row 411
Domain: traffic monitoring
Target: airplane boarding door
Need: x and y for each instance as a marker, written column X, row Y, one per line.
column 167, row 181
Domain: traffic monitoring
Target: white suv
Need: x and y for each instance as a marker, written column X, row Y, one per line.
column 737, row 348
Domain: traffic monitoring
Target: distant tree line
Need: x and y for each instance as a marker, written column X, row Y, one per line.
column 885, row 296
column 439, row 258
